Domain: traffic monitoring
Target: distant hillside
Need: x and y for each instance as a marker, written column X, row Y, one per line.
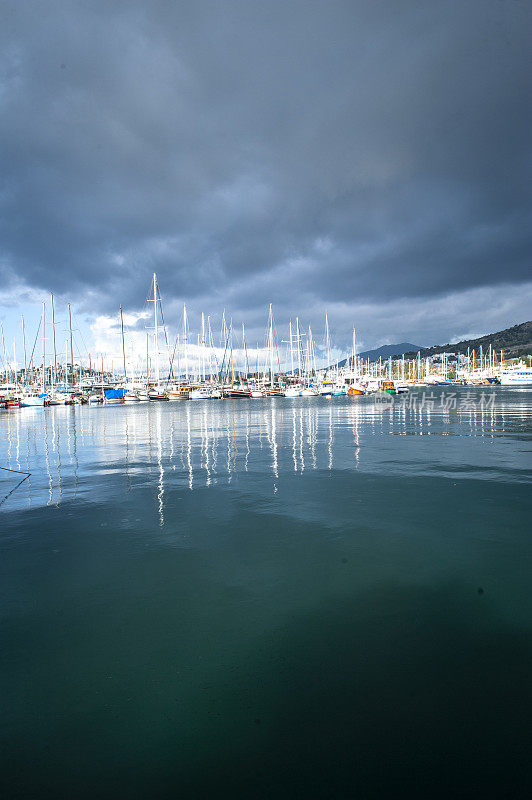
column 384, row 352
column 516, row 341
column 388, row 350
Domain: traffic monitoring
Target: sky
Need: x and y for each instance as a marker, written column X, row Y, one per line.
column 371, row 160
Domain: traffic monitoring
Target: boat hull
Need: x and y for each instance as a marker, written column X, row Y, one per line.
column 518, row 378
column 32, row 402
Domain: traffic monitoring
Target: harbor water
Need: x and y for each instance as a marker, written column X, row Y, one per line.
column 271, row 598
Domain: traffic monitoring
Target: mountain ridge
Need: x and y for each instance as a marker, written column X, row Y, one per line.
column 514, row 342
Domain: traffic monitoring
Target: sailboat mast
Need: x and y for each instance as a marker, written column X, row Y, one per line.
column 312, row 352
column 203, row 347
column 123, row 343
column 53, row 336
column 147, row 361
column 232, row 369
column 178, row 362
column 185, row 340
column 298, row 349
column 271, row 345
column 245, row 350
column 291, row 352
column 327, row 340
column 71, row 343
column 24, row 345
column 156, row 329
column 43, row 345
column 5, row 355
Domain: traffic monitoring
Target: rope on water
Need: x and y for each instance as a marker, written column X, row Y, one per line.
column 19, row 472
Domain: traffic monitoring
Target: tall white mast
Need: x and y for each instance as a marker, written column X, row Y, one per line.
column 156, row 330
column 210, row 344
column 123, row 345
column 71, row 344
column 5, row 355
column 298, row 349
column 291, row 352
column 185, row 340
column 24, row 345
column 54, row 373
column 43, row 346
column 327, row 340
column 203, row 347
column 270, row 342
column 312, row 351
column 246, row 360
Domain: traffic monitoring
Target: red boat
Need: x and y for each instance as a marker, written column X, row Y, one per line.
column 12, row 402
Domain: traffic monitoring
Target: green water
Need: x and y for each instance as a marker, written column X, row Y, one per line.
column 277, row 598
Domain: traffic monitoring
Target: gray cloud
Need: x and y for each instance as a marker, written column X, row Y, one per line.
column 307, row 153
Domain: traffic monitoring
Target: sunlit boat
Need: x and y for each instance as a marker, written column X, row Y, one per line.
column 325, row 388
column 520, row 375
column 204, row 393
column 292, row 391
column 234, row 392
column 177, row 393
column 32, row 400
column 338, row 390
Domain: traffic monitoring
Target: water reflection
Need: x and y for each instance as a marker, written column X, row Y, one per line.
column 73, row 451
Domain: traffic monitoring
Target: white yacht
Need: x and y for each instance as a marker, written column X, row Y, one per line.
column 292, row 391
column 520, row 375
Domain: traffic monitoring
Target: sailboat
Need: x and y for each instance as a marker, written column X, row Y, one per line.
column 293, row 389
column 156, row 393
column 130, row 395
column 272, row 390
column 355, row 387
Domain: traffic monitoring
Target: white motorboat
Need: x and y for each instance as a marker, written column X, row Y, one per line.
column 326, row 388
column 200, row 394
column 292, row 391
column 32, row 400
column 520, row 375
column 155, row 394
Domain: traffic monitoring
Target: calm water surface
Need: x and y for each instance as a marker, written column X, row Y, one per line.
column 268, row 599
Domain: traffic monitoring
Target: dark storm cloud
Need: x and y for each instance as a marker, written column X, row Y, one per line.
column 299, row 152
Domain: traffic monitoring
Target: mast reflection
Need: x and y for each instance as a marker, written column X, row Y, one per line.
column 193, row 445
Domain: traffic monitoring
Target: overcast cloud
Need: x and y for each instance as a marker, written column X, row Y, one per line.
column 369, row 158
